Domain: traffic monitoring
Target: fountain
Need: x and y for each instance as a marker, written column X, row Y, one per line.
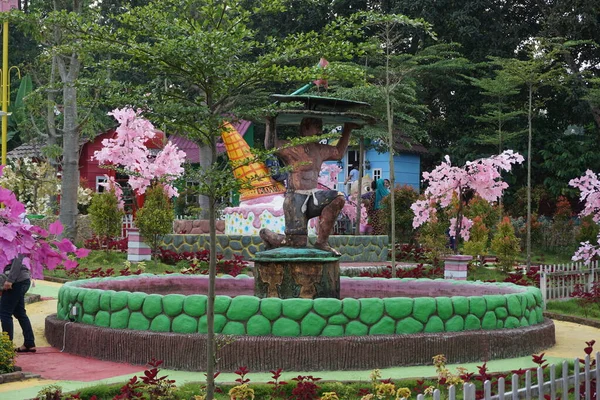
column 377, row 323
column 297, row 313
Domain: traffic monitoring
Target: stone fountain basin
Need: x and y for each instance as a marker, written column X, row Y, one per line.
column 368, row 306
column 378, row 323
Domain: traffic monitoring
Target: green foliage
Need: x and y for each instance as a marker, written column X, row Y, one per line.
column 404, row 197
column 433, row 236
column 505, row 245
column 477, row 244
column 50, row 392
column 105, row 215
column 7, row 354
column 562, row 225
column 155, row 218
column 489, row 213
column 34, row 183
column 588, row 230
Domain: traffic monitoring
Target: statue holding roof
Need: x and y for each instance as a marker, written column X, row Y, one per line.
column 303, row 200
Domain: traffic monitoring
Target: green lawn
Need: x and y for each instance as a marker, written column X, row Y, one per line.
column 105, row 260
column 574, row 308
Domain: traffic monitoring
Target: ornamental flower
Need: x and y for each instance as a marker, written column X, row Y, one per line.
column 128, row 150
column 40, row 248
column 241, row 392
column 589, row 187
column 385, row 389
column 330, row 396
column 403, row 393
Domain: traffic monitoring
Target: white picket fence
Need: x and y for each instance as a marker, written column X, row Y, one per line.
column 559, row 281
column 585, row 384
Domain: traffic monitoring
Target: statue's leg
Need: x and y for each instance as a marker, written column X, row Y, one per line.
column 296, row 221
column 271, row 239
column 329, row 215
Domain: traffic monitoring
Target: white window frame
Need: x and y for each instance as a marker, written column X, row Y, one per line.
column 99, row 180
column 376, row 174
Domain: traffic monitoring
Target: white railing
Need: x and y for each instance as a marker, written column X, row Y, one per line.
column 559, row 281
column 583, row 384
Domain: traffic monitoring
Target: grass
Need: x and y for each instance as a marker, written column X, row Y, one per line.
column 574, row 308
column 116, row 260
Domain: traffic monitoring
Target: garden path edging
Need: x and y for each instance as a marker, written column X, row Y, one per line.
column 188, row 351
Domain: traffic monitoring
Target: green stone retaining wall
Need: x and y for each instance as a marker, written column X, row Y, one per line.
column 248, row 315
column 353, row 248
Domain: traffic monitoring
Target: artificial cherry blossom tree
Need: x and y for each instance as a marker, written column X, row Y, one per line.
column 446, row 182
column 39, row 247
column 128, row 150
column 589, row 186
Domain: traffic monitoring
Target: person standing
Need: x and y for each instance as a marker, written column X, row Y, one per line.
column 12, row 303
column 381, row 190
column 352, row 177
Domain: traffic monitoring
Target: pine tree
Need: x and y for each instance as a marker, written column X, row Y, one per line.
column 506, row 245
column 155, row 218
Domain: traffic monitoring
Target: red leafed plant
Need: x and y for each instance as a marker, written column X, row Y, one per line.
column 277, row 384
column 242, row 372
column 150, row 385
column 306, row 388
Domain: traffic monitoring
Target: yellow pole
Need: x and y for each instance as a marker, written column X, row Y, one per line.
column 4, row 89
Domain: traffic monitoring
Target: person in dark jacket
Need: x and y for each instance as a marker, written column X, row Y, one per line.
column 12, row 302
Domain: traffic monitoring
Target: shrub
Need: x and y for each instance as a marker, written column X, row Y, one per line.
column 155, row 218
column 433, row 235
column 588, row 230
column 562, row 227
column 7, row 354
column 490, row 214
column 106, row 217
column 478, row 242
column 404, row 196
column 505, row 245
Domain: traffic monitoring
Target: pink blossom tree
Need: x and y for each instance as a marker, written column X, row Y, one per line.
column 39, row 247
column 128, row 150
column 589, row 187
column 446, row 182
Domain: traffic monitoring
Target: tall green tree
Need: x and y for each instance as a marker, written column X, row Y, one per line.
column 498, row 112
column 61, row 108
column 540, row 67
column 201, row 58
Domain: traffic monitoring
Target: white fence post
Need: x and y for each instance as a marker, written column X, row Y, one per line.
column 559, row 281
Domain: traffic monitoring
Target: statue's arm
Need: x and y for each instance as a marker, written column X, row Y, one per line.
column 340, row 148
column 270, row 133
column 271, row 139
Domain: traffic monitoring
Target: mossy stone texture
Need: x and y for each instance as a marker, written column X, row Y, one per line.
column 249, row 315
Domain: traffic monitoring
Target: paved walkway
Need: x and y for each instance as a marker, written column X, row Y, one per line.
column 74, row 372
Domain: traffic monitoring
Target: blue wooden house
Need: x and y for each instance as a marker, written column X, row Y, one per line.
column 407, row 162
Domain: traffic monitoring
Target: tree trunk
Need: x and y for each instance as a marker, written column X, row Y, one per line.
column 204, row 201
column 529, row 156
column 70, row 162
column 361, row 171
column 212, row 275
column 390, row 126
